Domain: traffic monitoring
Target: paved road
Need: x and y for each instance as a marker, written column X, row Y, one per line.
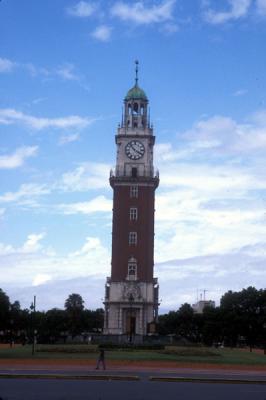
column 35, row 389
column 143, row 374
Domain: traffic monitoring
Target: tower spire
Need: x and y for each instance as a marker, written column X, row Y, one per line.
column 137, row 71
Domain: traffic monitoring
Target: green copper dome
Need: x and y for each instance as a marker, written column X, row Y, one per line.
column 136, row 93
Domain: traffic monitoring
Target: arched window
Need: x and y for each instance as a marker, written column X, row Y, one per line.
column 135, row 108
column 132, row 269
column 129, row 108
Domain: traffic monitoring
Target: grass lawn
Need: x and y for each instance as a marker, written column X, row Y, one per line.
column 175, row 354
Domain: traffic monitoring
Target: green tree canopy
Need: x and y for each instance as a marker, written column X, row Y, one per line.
column 74, row 306
column 74, row 302
column 4, row 309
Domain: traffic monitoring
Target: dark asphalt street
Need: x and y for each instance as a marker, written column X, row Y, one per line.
column 44, row 389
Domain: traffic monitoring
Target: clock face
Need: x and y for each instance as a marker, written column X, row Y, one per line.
column 135, row 150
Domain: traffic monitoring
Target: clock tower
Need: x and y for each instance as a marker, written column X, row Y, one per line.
column 131, row 292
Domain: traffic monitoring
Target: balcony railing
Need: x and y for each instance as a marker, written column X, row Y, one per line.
column 126, row 172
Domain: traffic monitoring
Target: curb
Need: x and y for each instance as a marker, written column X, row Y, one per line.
column 205, row 380
column 133, row 378
column 72, row 377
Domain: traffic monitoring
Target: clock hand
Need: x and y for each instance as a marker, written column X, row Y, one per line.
column 136, row 150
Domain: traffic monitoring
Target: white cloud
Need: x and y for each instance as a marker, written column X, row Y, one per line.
column 213, row 190
column 32, row 244
column 33, row 70
column 86, row 269
column 91, row 289
column 167, row 153
column 206, row 177
column 82, row 9
column 199, row 221
column 141, row 14
column 10, row 116
column 258, row 118
column 34, row 265
column 187, row 277
column 99, row 204
column 238, row 9
column 212, row 132
column 65, row 139
column 162, row 151
column 225, row 135
column 217, row 136
column 102, row 33
column 91, row 244
column 240, row 92
column 17, row 159
column 170, row 28
column 39, row 100
column 86, row 177
column 27, row 192
column 67, row 72
column 6, row 65
column 261, row 7
column 6, row 249
column 40, row 279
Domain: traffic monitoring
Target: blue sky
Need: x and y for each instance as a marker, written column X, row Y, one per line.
column 65, row 67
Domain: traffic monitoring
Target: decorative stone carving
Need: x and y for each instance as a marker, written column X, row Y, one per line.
column 131, row 289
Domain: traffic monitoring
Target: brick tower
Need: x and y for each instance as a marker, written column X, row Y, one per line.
column 131, row 293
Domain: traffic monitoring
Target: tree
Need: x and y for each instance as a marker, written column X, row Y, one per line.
column 74, row 306
column 98, row 319
column 74, row 302
column 185, row 322
column 4, row 310
column 168, row 323
column 14, row 319
column 212, row 328
column 92, row 320
column 54, row 325
column 245, row 314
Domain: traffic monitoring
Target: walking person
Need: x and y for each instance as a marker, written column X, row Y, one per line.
column 101, row 359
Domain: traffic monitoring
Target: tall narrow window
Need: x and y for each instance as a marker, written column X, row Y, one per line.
column 132, row 269
column 135, row 108
column 133, row 213
column 134, row 191
column 132, row 238
column 134, row 172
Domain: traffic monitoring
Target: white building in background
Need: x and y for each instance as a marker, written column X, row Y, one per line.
column 200, row 305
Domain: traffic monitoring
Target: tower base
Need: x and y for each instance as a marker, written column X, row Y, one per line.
column 131, row 308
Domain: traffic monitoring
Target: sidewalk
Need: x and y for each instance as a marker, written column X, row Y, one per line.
column 82, row 369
